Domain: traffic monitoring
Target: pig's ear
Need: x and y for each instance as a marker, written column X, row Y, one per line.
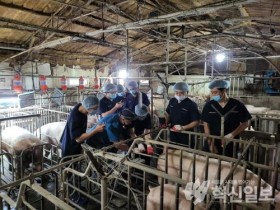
column 150, row 188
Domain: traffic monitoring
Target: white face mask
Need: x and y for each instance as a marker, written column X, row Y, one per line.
column 180, row 98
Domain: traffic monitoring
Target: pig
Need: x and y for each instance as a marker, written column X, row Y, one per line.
column 18, row 141
column 169, row 199
column 213, row 169
column 188, row 159
column 51, row 134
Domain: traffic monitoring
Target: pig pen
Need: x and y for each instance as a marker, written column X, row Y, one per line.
column 268, row 121
column 30, row 119
column 46, row 116
column 99, row 179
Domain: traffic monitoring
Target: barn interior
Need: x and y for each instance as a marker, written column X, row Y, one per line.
column 56, row 53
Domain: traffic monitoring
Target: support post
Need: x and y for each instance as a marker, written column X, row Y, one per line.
column 104, row 193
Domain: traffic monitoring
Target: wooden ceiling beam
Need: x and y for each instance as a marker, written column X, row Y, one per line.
column 244, row 13
column 120, row 27
column 67, row 33
column 78, row 54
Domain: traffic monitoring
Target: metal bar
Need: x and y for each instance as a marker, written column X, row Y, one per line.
column 129, row 188
column 37, row 174
column 167, row 51
column 19, row 117
column 232, row 169
column 104, row 193
column 186, row 62
column 144, row 189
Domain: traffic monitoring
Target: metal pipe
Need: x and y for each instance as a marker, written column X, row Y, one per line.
column 167, row 52
column 126, row 51
column 186, row 62
column 129, row 186
column 205, row 65
column 104, row 193
column 37, row 174
column 241, row 157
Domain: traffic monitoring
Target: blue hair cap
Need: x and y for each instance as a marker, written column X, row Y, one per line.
column 120, row 88
column 219, row 83
column 181, row 86
column 90, row 102
column 141, row 111
column 110, row 88
column 132, row 84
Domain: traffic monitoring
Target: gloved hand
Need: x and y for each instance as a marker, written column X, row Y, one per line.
column 229, row 136
column 141, row 147
column 177, row 128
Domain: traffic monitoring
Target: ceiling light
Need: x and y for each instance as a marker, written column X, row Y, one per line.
column 122, row 73
column 220, row 57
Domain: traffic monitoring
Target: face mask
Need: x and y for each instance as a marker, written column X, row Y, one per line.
column 216, row 98
column 133, row 92
column 180, row 98
column 113, row 95
column 121, row 94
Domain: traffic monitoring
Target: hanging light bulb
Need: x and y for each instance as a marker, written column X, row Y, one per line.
column 220, row 57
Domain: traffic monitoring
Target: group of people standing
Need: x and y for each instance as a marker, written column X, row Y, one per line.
column 125, row 114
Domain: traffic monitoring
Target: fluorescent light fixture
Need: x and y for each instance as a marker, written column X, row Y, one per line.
column 122, row 73
column 220, row 57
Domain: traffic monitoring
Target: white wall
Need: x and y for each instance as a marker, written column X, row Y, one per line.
column 46, row 70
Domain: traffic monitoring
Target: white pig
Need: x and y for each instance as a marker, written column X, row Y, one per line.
column 201, row 164
column 213, row 170
column 51, row 134
column 169, row 199
column 15, row 140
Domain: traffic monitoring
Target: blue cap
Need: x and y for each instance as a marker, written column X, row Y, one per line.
column 181, row 86
column 120, row 88
column 132, row 84
column 219, row 83
column 90, row 102
column 141, row 111
column 109, row 88
column 127, row 114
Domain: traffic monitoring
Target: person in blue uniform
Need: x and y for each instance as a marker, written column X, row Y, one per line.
column 74, row 132
column 110, row 103
column 121, row 94
column 132, row 97
column 235, row 114
column 115, row 124
column 182, row 114
column 132, row 100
